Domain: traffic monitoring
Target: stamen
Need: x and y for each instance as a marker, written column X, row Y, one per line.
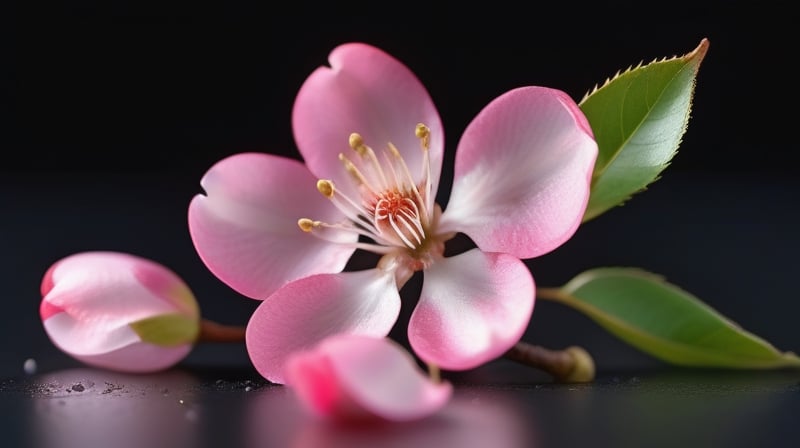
column 351, row 169
column 390, row 208
column 371, row 231
column 326, row 187
column 402, row 164
column 353, row 211
column 395, row 179
column 404, row 220
column 374, row 248
column 414, row 218
column 307, row 225
column 400, row 233
column 358, row 145
column 423, row 133
column 408, row 176
column 352, row 228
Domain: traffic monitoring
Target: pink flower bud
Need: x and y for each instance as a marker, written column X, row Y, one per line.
column 118, row 311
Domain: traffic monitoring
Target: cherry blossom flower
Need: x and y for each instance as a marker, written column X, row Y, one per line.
column 351, row 377
column 118, row 311
column 373, row 145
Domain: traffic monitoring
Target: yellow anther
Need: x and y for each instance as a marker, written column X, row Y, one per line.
column 357, row 143
column 307, row 225
column 326, row 188
column 424, row 134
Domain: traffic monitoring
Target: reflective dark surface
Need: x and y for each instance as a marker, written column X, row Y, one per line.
column 83, row 407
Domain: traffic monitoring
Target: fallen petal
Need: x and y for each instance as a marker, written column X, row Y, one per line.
column 349, row 377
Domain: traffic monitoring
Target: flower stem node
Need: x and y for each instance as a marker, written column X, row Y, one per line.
column 571, row 365
column 583, row 370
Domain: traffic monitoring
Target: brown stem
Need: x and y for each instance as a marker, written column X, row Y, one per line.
column 213, row 332
column 553, row 294
column 572, row 365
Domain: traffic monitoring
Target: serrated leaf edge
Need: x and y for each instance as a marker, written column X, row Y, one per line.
column 701, row 48
column 698, row 52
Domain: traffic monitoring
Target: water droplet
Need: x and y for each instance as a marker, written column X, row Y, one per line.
column 30, row 366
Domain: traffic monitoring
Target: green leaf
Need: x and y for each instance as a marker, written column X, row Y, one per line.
column 638, row 118
column 666, row 322
column 168, row 329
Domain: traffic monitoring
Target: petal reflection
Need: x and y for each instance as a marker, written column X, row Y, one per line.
column 474, row 417
column 98, row 408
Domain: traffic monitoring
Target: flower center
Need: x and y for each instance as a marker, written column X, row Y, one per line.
column 392, row 210
column 396, row 213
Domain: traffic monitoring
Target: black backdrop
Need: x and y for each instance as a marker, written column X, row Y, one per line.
column 112, row 112
column 129, row 87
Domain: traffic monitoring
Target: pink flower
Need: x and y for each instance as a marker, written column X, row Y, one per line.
column 351, row 377
column 521, row 183
column 118, row 311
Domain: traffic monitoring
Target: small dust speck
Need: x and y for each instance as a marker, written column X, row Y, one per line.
column 180, row 401
column 111, row 387
column 248, row 389
column 30, row 366
column 78, row 387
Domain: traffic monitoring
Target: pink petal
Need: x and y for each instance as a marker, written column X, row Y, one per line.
column 92, row 297
column 245, row 227
column 473, row 308
column 369, row 92
column 522, row 173
column 304, row 312
column 351, row 377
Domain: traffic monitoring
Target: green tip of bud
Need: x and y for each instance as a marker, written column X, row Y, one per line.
column 168, row 330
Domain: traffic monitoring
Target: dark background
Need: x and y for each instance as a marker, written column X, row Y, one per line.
column 111, row 112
